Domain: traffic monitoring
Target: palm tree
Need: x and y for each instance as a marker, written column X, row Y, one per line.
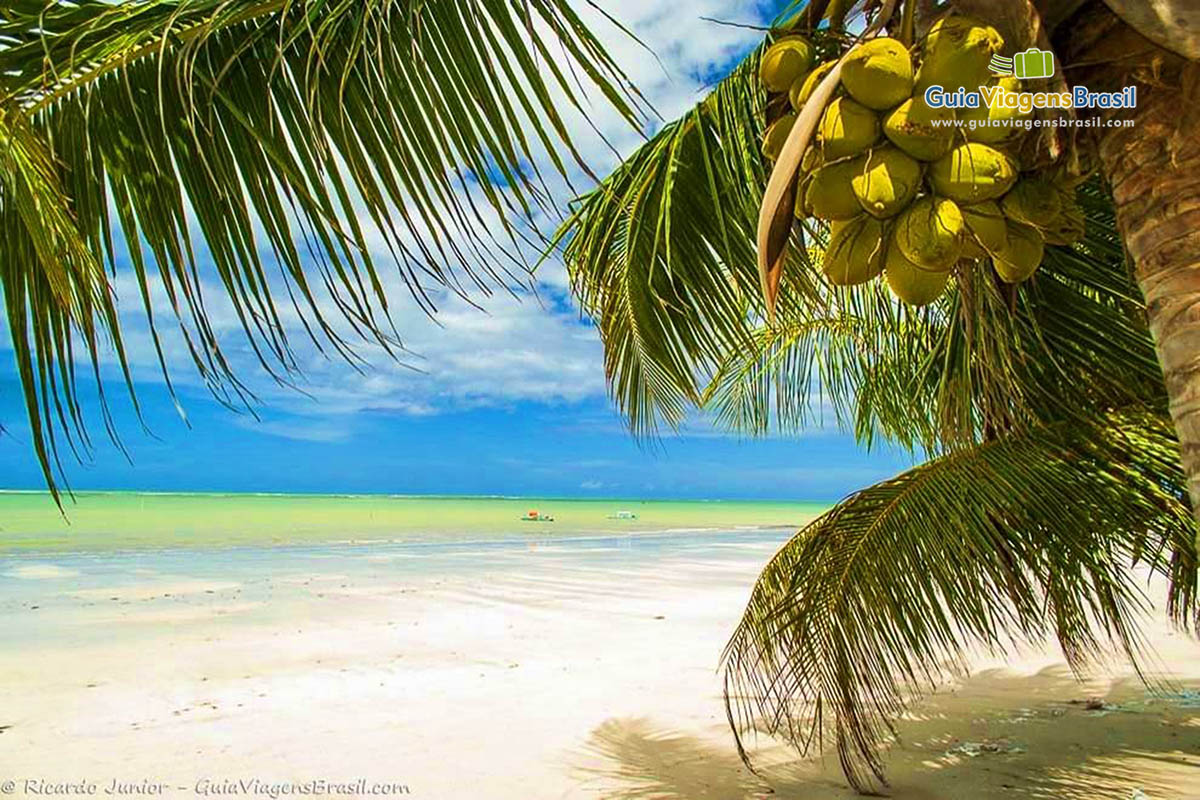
column 275, row 134
column 1053, row 474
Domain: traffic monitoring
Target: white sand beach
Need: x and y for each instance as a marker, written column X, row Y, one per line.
column 572, row 670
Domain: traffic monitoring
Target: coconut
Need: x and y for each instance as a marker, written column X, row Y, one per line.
column 886, row 181
column 803, row 87
column 1021, row 255
column 830, row 193
column 855, row 251
column 811, row 160
column 972, row 173
column 1032, row 201
column 991, row 125
column 784, row 62
column 911, row 128
column 929, row 233
column 910, row 283
column 878, row 73
column 986, row 229
column 1069, row 228
column 956, row 54
column 1067, row 176
column 847, row 129
column 776, row 136
column 800, row 208
column 971, row 247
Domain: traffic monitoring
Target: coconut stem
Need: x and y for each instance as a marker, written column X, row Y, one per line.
column 908, row 20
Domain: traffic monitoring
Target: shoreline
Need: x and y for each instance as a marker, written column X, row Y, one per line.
column 513, row 539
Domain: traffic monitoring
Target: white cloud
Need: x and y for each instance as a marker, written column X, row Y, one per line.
column 300, row 430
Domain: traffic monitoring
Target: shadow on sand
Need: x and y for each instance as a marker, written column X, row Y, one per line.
column 1039, row 746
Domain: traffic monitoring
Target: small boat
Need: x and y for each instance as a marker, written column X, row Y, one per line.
column 623, row 515
column 533, row 515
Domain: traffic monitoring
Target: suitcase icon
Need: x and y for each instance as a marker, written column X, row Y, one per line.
column 1033, row 63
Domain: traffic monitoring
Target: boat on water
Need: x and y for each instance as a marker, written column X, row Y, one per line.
column 623, row 515
column 533, row 515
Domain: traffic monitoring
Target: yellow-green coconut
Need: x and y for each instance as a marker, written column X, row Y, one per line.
column 847, row 129
column 784, row 62
column 1032, row 201
column 1067, row 176
column 855, row 251
column 1021, row 255
column 973, row 172
column 1068, row 228
column 885, row 181
column 776, row 136
column 878, row 73
column 910, row 283
column 929, row 233
column 993, row 124
column 956, row 54
column 986, row 229
column 830, row 193
column 803, row 87
column 810, row 161
column 913, row 127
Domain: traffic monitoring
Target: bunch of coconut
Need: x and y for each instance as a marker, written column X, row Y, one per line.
column 907, row 192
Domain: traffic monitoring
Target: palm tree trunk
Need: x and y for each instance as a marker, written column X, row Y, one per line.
column 1154, row 168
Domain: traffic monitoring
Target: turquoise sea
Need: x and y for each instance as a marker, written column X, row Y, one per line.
column 109, row 521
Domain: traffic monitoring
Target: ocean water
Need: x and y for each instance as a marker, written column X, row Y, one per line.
column 117, row 521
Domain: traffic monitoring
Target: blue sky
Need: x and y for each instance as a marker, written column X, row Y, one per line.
column 511, row 401
column 525, row 448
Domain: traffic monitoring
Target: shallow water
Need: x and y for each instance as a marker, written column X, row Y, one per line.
column 102, row 521
column 78, row 596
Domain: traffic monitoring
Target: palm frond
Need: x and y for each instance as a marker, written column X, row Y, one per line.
column 662, row 254
column 1028, row 536
column 277, row 133
column 54, row 288
column 983, row 360
column 653, row 253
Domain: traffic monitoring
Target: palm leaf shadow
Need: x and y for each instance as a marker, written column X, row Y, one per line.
column 1063, row 751
column 647, row 761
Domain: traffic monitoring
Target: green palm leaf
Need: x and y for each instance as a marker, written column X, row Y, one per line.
column 982, row 360
column 1035, row 535
column 54, row 287
column 662, row 254
column 278, row 133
